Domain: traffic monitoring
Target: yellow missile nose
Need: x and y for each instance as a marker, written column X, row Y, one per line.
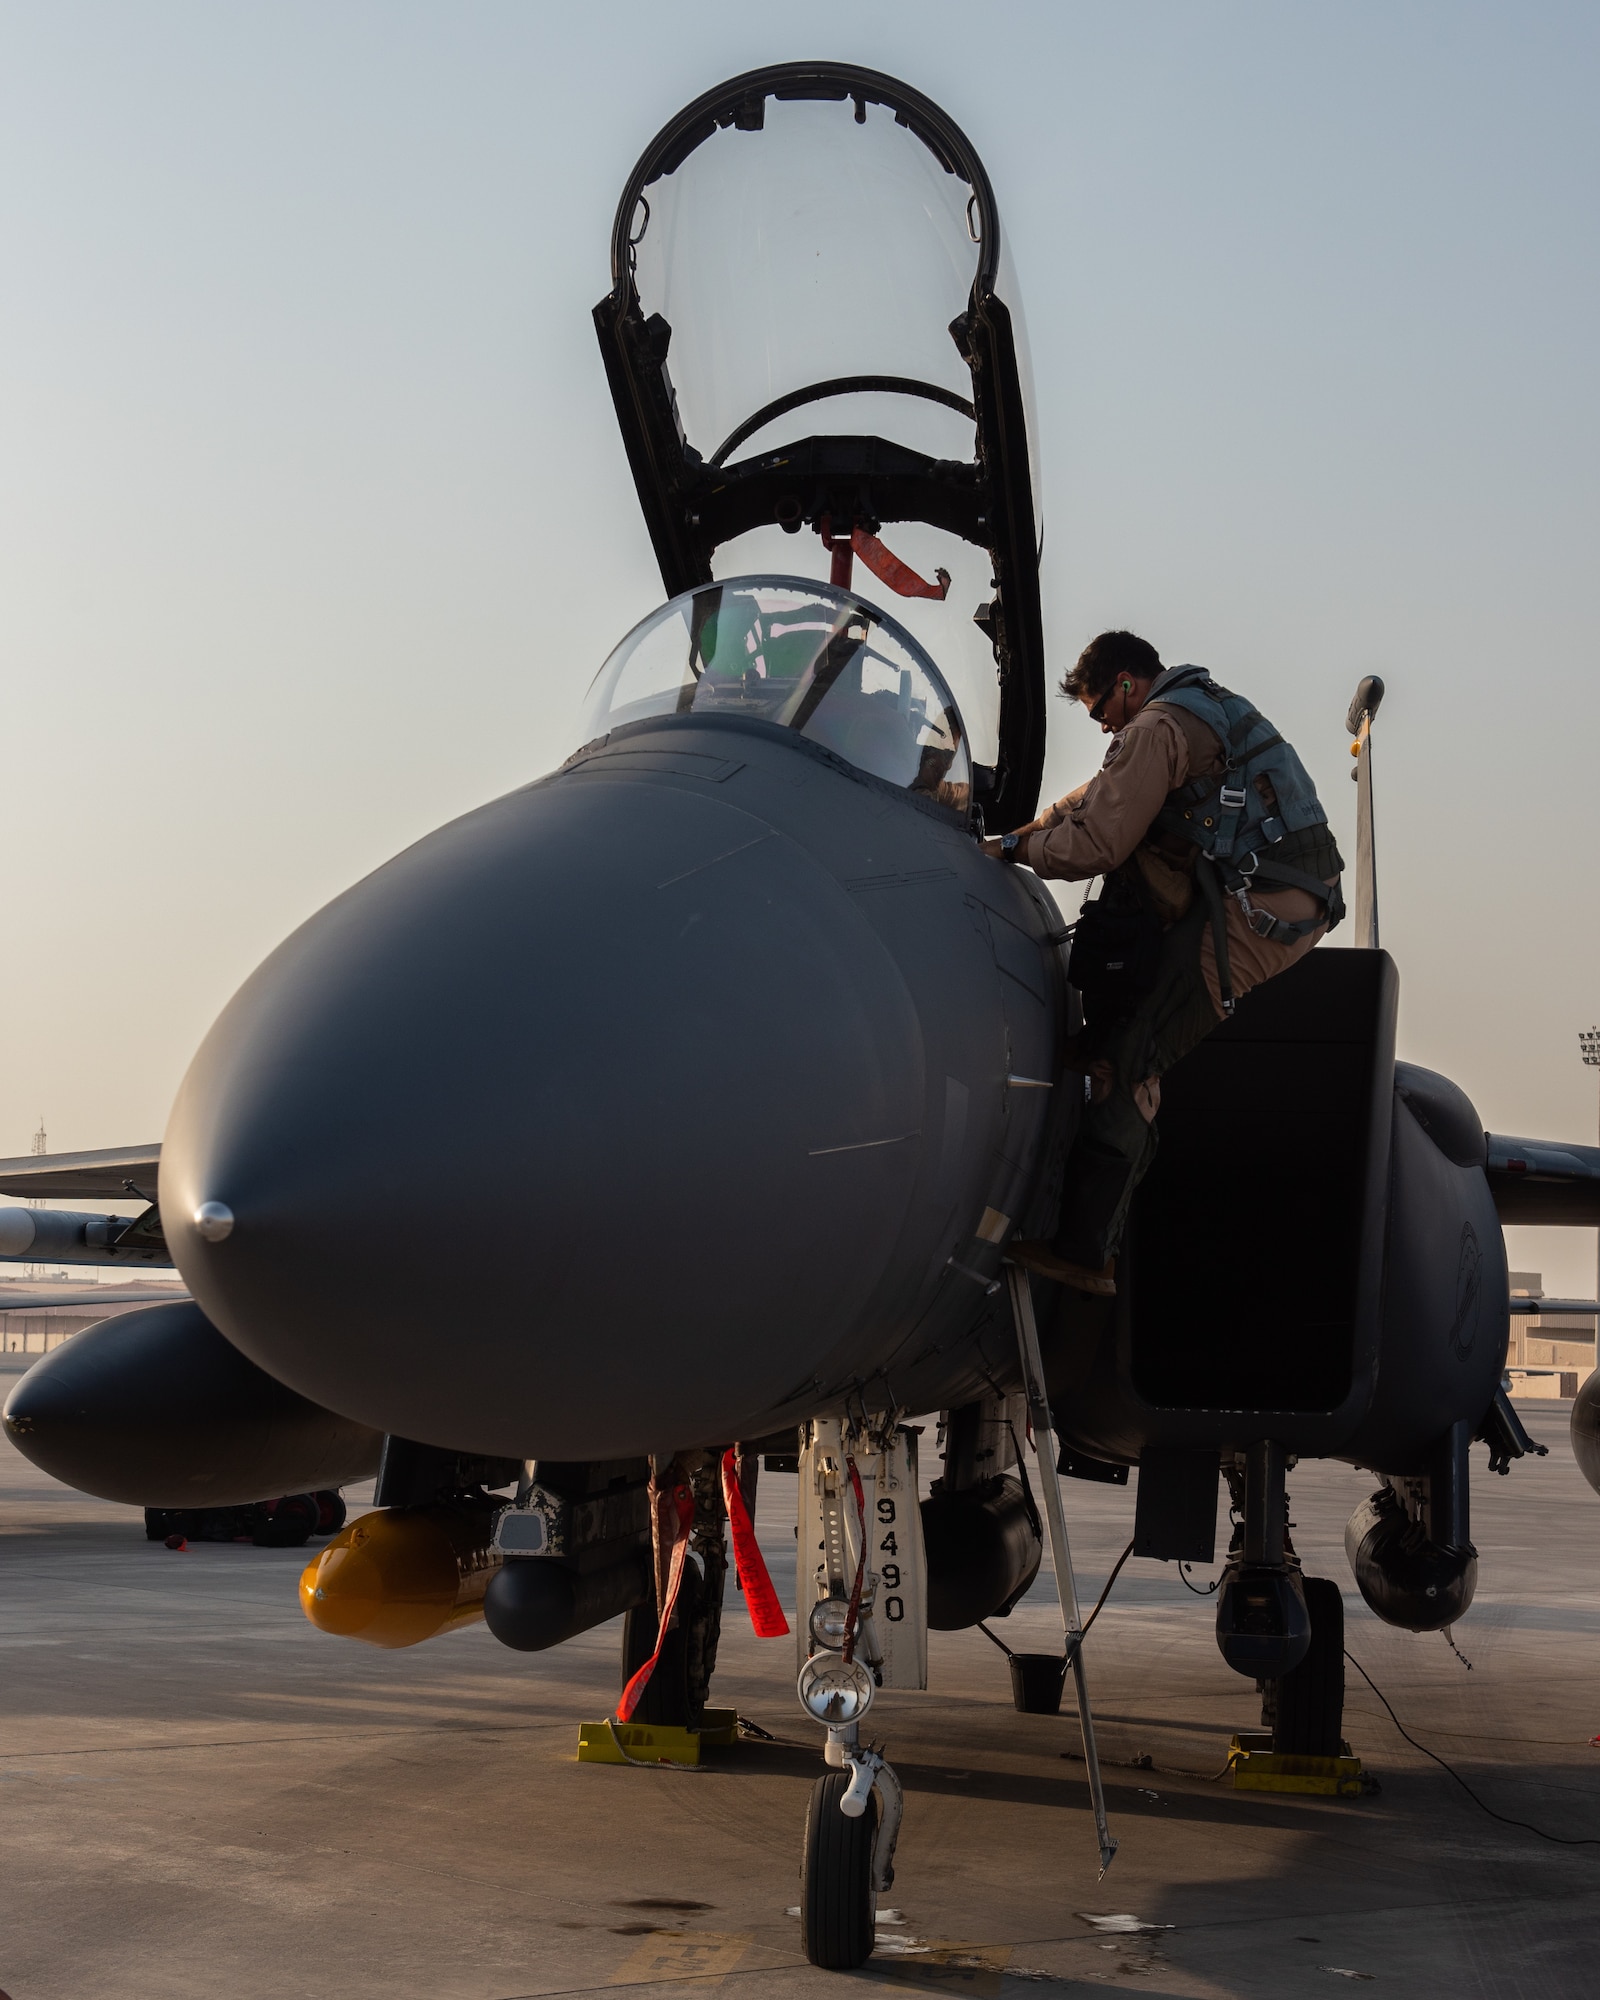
column 397, row 1576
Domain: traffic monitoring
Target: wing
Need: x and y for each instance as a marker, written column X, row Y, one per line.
column 1541, row 1181
column 34, row 1298
column 120, row 1173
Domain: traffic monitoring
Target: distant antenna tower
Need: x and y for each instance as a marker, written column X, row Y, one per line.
column 41, row 1145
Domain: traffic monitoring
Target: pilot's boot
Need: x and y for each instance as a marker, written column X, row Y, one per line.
column 1096, row 1189
column 1045, row 1261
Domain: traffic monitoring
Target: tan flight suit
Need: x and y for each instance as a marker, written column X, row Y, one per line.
column 1108, row 825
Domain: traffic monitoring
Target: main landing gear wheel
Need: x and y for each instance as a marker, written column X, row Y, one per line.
column 837, row 1906
column 1306, row 1707
column 286, row 1523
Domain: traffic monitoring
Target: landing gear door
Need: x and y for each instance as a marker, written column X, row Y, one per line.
column 894, row 1597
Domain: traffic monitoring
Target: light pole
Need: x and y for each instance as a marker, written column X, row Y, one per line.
column 1589, row 1049
column 1359, row 723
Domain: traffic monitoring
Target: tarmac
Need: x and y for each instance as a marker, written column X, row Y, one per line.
column 200, row 1795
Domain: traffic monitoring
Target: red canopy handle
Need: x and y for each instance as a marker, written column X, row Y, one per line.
column 885, row 565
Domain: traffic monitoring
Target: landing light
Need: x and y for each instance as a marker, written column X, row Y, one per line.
column 830, row 1619
column 834, row 1692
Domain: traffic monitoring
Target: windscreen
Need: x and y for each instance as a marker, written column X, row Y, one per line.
column 804, row 656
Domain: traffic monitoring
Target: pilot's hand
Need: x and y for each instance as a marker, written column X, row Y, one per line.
column 991, row 846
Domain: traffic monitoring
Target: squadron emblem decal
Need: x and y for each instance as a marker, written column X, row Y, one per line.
column 1469, row 1289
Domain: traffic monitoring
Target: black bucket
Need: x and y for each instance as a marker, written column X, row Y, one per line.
column 1036, row 1682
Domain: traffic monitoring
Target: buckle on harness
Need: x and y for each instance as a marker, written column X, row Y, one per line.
column 1262, row 922
column 1233, row 801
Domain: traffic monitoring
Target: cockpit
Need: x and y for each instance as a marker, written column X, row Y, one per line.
column 815, row 349
column 803, row 656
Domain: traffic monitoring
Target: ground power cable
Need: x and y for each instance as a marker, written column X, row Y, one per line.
column 1082, row 1629
column 1100, row 1600
column 1560, row 1839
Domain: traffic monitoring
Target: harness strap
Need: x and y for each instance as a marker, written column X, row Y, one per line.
column 1281, row 930
column 1211, row 889
column 1284, row 876
column 1276, row 930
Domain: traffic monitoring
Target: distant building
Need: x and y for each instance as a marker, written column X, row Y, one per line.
column 1549, row 1353
column 36, row 1327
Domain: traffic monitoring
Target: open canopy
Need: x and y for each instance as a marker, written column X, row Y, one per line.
column 813, row 332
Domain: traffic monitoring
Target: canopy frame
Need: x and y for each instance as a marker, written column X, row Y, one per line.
column 693, row 506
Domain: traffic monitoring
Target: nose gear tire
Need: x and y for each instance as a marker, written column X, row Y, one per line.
column 836, row 1899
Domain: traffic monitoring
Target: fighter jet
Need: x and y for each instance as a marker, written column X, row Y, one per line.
column 673, row 1113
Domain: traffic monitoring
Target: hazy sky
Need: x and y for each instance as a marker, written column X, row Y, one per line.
column 314, row 524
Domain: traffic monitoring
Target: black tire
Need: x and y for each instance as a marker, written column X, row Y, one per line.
column 332, row 1513
column 836, row 1900
column 224, row 1524
column 288, row 1523
column 1308, row 1711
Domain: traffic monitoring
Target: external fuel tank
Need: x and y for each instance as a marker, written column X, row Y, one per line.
column 156, row 1409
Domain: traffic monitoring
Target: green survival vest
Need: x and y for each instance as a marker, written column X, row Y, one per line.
column 1252, row 820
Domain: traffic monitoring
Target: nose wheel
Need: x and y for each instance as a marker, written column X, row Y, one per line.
column 852, row 1823
column 863, row 1573
column 838, row 1904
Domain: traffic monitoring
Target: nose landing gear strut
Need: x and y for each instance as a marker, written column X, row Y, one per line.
column 863, row 1575
column 862, row 1597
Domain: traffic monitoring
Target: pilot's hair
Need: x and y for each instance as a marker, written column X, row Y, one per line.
column 1104, row 658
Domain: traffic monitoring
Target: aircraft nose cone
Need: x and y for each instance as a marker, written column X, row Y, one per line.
column 583, row 1128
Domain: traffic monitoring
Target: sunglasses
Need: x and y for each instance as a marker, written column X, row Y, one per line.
column 1098, row 712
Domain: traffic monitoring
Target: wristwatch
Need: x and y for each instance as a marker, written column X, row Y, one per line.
column 1009, row 843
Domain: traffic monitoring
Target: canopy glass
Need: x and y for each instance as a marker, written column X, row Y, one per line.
column 804, row 656
column 815, row 250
